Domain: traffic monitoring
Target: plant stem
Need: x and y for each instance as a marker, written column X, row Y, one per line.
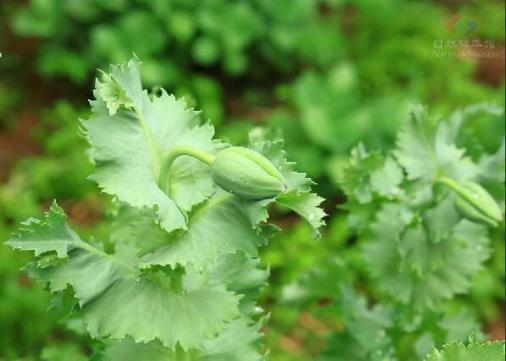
column 449, row 182
column 454, row 186
column 167, row 161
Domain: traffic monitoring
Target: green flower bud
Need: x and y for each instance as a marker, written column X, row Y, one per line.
column 474, row 202
column 246, row 174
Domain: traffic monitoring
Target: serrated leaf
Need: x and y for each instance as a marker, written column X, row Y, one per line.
column 488, row 351
column 307, row 205
column 427, row 150
column 441, row 219
column 381, row 252
column 356, row 179
column 243, row 275
column 128, row 350
column 137, row 228
column 236, row 343
column 131, row 141
column 416, row 269
column 89, row 271
column 186, row 318
column 449, row 158
column 386, row 180
column 112, row 94
column 45, row 235
column 118, row 300
column 239, row 272
column 218, row 227
column 415, row 146
column 492, row 166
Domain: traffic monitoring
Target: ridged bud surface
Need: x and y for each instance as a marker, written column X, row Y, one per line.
column 476, row 204
column 247, row 174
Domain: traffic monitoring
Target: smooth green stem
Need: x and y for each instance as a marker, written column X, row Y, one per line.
column 453, row 185
column 457, row 188
column 449, row 182
column 167, row 161
column 191, row 151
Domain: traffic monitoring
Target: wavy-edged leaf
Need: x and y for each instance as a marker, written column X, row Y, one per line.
column 243, row 275
column 147, row 310
column 493, row 166
column 307, row 205
column 487, row 351
column 236, row 343
column 239, row 272
column 415, row 145
column 217, row 227
column 48, row 234
column 132, row 134
column 118, row 300
column 412, row 267
column 427, row 151
column 386, row 180
column 356, row 177
column 137, row 228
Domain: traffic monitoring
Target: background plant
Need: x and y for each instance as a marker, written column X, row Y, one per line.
column 418, row 250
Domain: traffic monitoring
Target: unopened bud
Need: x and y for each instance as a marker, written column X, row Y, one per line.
column 474, row 202
column 247, row 174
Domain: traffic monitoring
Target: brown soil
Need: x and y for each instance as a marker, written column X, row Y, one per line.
column 491, row 70
column 86, row 212
column 496, row 330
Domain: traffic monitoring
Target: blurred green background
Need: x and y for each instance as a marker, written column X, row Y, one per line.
column 324, row 74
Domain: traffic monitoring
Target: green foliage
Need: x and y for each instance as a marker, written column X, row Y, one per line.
column 206, row 33
column 324, row 74
column 333, row 70
column 188, row 289
column 417, row 249
column 493, row 351
column 420, row 250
